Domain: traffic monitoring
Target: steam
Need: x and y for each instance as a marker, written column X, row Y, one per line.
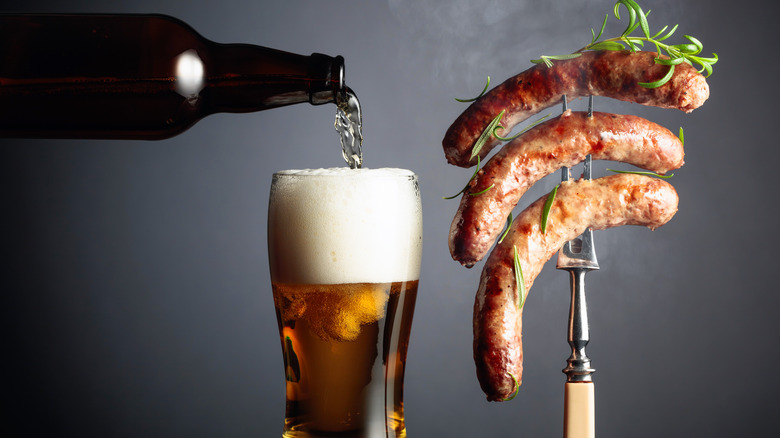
column 462, row 41
column 453, row 19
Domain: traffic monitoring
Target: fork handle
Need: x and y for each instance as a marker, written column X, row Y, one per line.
column 579, row 419
column 578, row 367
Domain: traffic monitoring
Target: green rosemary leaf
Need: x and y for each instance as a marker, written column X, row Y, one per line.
column 705, row 67
column 543, row 60
column 688, row 49
column 593, row 33
column 670, row 61
column 467, row 184
column 485, row 135
column 655, row 37
column 516, row 383
column 639, row 23
column 480, row 94
column 643, row 20
column 700, row 59
column 548, row 59
column 456, row 194
column 607, row 45
column 643, row 173
column 500, row 138
column 682, row 136
column 509, row 221
column 547, row 205
column 631, row 15
column 630, row 44
column 668, row 34
column 636, row 17
column 661, row 81
column 635, row 43
column 482, row 191
column 657, row 50
column 565, row 57
column 603, row 26
column 519, row 280
column 495, row 134
column 696, row 42
column 616, row 10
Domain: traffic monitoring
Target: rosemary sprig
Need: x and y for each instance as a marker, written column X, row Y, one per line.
column 681, row 136
column 637, row 18
column 547, row 205
column 636, row 172
column 519, row 280
column 480, row 94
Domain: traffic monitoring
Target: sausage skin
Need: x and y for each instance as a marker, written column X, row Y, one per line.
column 563, row 141
column 614, row 74
column 623, row 199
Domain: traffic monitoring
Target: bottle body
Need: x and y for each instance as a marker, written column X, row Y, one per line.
column 141, row 76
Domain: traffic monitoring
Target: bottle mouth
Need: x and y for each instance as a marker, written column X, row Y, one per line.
column 339, row 65
column 333, row 87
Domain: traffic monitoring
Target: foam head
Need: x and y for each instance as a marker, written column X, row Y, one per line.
column 332, row 226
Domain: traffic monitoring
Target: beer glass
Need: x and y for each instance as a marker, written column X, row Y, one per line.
column 344, row 250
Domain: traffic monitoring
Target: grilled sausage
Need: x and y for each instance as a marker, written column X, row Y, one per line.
column 563, row 141
column 624, row 199
column 614, row 74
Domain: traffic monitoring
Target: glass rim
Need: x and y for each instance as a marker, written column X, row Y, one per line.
column 345, row 172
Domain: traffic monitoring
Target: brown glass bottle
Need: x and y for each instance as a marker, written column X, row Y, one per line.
column 141, row 77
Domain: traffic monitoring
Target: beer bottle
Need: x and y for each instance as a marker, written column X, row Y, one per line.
column 141, row 77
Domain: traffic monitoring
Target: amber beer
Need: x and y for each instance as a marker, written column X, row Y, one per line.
column 344, row 249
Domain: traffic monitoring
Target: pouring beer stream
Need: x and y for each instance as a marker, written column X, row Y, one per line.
column 349, row 125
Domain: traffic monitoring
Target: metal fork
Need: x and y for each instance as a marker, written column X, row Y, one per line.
column 578, row 256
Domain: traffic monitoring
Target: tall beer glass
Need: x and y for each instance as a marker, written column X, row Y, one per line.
column 344, row 248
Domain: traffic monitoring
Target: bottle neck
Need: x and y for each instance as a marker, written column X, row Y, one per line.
column 246, row 78
column 141, row 76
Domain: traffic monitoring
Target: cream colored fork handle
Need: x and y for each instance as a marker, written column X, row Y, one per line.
column 579, row 419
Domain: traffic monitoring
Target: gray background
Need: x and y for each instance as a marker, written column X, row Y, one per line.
column 135, row 290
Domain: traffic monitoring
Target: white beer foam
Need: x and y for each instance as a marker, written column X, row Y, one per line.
column 340, row 225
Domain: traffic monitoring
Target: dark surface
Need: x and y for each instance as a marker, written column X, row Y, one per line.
column 135, row 290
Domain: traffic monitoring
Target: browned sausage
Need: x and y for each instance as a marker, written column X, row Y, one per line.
column 614, row 74
column 624, row 199
column 563, row 141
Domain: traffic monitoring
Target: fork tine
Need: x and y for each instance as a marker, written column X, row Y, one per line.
column 588, row 160
column 590, row 106
column 586, row 172
column 579, row 253
column 564, row 170
column 564, row 173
